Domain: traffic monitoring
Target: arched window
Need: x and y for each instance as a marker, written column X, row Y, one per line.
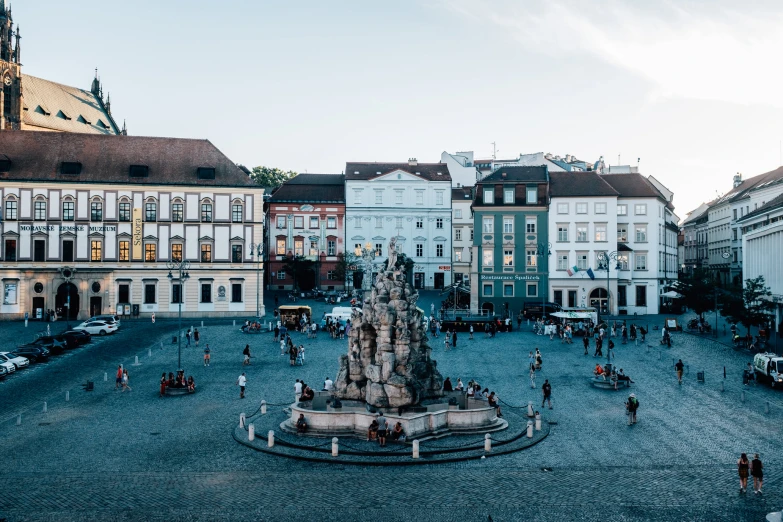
column 206, row 210
column 39, row 208
column 11, row 212
column 125, row 209
column 237, row 211
column 68, row 208
column 96, row 209
column 177, row 210
column 150, row 210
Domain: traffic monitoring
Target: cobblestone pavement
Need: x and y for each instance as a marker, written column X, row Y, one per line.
column 133, row 456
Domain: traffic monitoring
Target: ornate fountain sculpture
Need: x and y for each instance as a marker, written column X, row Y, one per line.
column 389, row 362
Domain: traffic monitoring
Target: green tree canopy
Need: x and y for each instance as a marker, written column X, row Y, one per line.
column 296, row 265
column 271, row 177
column 698, row 292
column 751, row 306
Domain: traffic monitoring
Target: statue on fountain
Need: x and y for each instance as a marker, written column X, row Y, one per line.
column 389, row 361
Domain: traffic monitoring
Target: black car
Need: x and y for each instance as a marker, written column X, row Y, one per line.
column 52, row 344
column 33, row 353
column 78, row 336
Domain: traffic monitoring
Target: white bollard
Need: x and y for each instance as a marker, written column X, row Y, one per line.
column 149, row 352
column 270, row 326
column 270, row 437
column 530, row 409
column 67, row 396
column 416, row 449
column 251, row 432
column 161, row 345
column 487, row 442
column 742, row 398
column 235, row 322
column 136, row 361
column 242, row 420
column 105, row 376
column 529, row 429
column 44, row 408
column 263, row 407
column 202, row 324
column 538, row 421
column 19, row 420
column 766, row 407
column 335, row 448
column 659, row 355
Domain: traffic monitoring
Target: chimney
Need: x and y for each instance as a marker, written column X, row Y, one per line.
column 737, row 179
column 412, row 162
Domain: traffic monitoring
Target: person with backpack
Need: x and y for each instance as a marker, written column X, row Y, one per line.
column 631, row 405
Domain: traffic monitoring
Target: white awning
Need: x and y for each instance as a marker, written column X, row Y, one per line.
column 672, row 294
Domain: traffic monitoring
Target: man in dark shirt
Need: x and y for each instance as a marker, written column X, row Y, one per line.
column 547, row 391
column 679, row 367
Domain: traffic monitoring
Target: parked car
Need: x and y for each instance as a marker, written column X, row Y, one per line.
column 96, row 327
column 7, row 368
column 80, row 336
column 110, row 319
column 33, row 353
column 52, row 344
column 17, row 361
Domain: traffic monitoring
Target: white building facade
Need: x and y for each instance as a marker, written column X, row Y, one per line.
column 410, row 202
column 462, row 226
column 114, row 211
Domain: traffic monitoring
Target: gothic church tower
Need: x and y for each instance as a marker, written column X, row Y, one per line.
column 10, row 71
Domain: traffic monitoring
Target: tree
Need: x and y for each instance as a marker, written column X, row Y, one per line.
column 296, row 266
column 271, row 177
column 342, row 270
column 698, row 292
column 751, row 306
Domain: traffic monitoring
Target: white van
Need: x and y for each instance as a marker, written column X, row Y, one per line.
column 769, row 368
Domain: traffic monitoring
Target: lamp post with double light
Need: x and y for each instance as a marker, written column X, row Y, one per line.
column 257, row 253
column 604, row 262
column 181, row 268
column 544, row 250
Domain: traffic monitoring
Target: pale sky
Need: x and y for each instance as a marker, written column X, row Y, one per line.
column 691, row 88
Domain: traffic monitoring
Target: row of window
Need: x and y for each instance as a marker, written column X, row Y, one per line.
column 299, row 245
column 331, row 275
column 96, row 251
column 418, row 248
column 298, row 222
column 622, row 300
column 488, row 290
column 96, row 211
column 509, row 195
column 205, row 293
column 488, row 225
column 398, row 222
column 600, row 232
column 639, row 209
column 582, row 261
column 488, row 257
column 399, row 196
column 458, row 233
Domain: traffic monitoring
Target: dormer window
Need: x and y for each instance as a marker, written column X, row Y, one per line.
column 70, row 167
column 63, row 115
column 82, row 119
column 205, row 173
column 139, row 171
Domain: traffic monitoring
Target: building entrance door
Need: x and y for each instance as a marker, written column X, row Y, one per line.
column 38, row 304
column 96, row 307
column 598, row 299
column 418, row 280
column 61, row 301
column 439, row 278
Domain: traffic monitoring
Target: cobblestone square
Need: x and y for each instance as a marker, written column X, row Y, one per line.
column 131, row 455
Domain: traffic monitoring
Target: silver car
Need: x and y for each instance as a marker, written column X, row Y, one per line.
column 16, row 360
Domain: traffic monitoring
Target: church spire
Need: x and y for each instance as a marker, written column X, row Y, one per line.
column 108, row 103
column 124, row 130
column 96, row 84
column 18, row 51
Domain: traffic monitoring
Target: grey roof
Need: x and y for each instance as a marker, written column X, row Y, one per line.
column 632, row 185
column 38, row 157
column 311, row 188
column 773, row 204
column 572, row 184
column 518, row 174
column 462, row 193
column 365, row 171
column 51, row 105
column 761, row 180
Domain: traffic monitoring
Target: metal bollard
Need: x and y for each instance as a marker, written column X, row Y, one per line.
column 487, row 442
column 149, row 352
column 19, row 420
column 742, row 398
column 242, row 420
column 67, row 396
column 105, row 376
column 529, row 429
column 538, row 421
column 766, row 407
column 161, row 345
column 263, row 407
column 722, row 387
column 235, row 322
column 530, row 409
column 251, row 432
column 44, row 408
column 416, row 449
column 335, row 447
column 270, row 438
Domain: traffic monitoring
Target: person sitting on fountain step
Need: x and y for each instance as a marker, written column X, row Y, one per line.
column 599, row 371
column 493, row 402
column 372, row 431
column 398, row 433
column 191, row 385
column 301, row 424
column 447, row 387
column 622, row 377
column 460, row 386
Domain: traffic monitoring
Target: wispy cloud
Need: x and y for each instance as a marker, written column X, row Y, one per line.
column 690, row 50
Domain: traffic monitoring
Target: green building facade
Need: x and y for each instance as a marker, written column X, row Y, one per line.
column 511, row 242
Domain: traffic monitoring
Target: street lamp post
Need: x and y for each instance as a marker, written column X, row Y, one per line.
column 544, row 250
column 257, row 251
column 181, row 267
column 604, row 258
column 367, row 255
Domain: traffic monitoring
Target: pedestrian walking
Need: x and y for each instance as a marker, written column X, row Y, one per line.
column 624, row 334
column 757, row 472
column 454, row 338
column 188, row 335
column 282, row 346
column 153, row 317
column 586, row 342
column 598, row 348
column 531, row 360
column 471, row 332
column 163, row 383
column 118, row 379
column 125, row 385
column 196, row 336
column 277, row 333
column 246, row 353
column 242, row 382
column 292, row 354
column 678, row 367
column 632, row 405
column 532, row 377
column 298, row 389
column 207, row 356
column 743, row 466
column 546, row 389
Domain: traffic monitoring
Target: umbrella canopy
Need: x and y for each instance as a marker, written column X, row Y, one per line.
column 672, row 294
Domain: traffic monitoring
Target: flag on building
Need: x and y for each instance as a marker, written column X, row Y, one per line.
column 574, row 269
column 590, row 273
column 570, row 272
